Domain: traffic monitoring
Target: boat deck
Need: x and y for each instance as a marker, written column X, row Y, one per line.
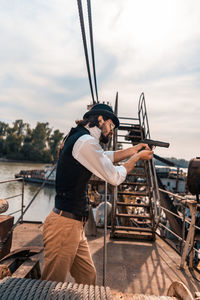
column 135, row 267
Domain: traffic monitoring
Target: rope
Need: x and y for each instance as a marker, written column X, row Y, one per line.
column 103, row 294
column 32, row 289
column 91, row 292
column 27, row 290
column 62, row 292
column 22, row 288
column 80, row 291
column 6, row 290
column 56, row 291
column 14, row 291
column 92, row 45
column 85, row 292
column 85, row 45
column 108, row 294
column 50, row 291
column 73, row 293
column 97, row 293
column 39, row 292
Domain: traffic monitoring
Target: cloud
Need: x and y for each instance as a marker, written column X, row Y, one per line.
column 140, row 46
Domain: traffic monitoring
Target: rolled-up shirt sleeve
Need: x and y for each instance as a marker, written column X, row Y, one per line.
column 90, row 154
column 110, row 155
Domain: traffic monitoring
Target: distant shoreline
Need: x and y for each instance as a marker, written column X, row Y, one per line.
column 3, row 159
column 22, row 161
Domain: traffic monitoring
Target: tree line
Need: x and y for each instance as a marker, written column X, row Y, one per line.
column 40, row 144
column 21, row 142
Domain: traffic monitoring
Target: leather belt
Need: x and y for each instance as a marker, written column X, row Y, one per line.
column 69, row 215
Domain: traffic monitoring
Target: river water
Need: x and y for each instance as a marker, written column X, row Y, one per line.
column 42, row 204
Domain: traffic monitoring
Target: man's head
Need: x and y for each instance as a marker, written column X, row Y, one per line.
column 107, row 120
column 104, row 110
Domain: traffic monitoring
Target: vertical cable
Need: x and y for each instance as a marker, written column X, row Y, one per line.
column 92, row 45
column 105, row 235
column 85, row 45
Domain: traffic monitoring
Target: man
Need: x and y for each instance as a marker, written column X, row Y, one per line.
column 65, row 245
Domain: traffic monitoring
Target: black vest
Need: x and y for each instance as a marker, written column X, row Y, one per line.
column 72, row 178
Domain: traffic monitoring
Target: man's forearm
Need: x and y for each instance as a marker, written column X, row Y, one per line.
column 120, row 155
column 131, row 162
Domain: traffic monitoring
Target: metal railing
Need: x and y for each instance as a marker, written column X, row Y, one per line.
column 188, row 243
column 144, row 124
column 22, row 206
column 23, row 209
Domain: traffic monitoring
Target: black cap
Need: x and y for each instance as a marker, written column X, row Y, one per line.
column 102, row 110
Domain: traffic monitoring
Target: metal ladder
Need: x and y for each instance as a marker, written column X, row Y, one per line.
column 133, row 206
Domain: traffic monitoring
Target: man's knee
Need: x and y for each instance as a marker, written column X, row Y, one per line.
column 86, row 277
column 92, row 277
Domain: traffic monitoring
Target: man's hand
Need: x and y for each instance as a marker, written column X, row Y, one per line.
column 131, row 162
column 120, row 155
column 146, row 154
column 140, row 146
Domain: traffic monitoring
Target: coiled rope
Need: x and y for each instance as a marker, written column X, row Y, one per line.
column 32, row 289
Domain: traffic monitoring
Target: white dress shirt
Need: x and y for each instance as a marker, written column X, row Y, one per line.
column 88, row 152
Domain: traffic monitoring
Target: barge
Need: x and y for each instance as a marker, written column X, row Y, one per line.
column 150, row 248
column 46, row 175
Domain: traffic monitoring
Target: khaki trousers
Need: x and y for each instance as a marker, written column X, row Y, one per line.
column 66, row 250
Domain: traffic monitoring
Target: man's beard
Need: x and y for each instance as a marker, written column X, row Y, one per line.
column 105, row 138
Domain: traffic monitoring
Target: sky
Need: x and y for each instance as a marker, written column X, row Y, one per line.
column 149, row 46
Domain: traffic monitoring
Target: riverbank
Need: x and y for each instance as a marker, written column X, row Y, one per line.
column 3, row 159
